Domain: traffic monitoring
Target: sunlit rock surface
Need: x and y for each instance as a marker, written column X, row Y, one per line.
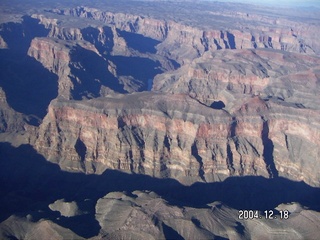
column 158, row 120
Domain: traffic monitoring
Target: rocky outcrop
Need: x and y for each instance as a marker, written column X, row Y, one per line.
column 66, row 209
column 10, row 120
column 177, row 37
column 3, row 44
column 25, row 228
column 147, row 216
column 244, row 88
column 58, row 56
column 75, row 62
column 228, row 75
column 55, row 56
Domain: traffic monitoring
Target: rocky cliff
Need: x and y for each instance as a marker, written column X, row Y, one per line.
column 229, row 75
column 119, row 211
column 176, row 38
column 11, row 121
column 145, row 120
column 158, row 119
column 175, row 136
column 226, row 111
column 155, row 134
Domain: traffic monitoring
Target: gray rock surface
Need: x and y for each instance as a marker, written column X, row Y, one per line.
column 22, row 228
column 147, row 215
column 66, row 209
column 158, row 120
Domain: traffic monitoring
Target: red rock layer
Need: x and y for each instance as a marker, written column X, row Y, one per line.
column 175, row 136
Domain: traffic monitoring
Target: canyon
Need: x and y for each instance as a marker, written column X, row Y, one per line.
column 149, row 120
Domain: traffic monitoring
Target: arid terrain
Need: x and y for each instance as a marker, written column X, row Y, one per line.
column 159, row 120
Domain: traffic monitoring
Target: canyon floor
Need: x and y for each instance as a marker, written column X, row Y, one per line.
column 159, row 120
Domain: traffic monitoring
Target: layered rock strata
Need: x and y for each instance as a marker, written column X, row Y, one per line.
column 282, row 34
column 227, row 111
column 228, row 75
column 175, row 136
column 146, row 133
column 214, row 97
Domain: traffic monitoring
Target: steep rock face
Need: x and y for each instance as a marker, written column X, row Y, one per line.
column 182, row 43
column 56, row 58
column 164, row 136
column 257, row 131
column 76, row 64
column 59, row 56
column 290, row 81
column 294, row 133
column 175, row 136
column 10, row 121
column 288, row 134
column 143, row 133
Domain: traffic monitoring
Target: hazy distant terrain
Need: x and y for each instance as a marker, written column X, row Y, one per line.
column 159, row 120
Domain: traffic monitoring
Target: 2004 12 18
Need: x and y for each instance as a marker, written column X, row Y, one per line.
column 267, row 214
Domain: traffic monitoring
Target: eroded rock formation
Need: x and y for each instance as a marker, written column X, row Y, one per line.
column 237, row 112
column 232, row 91
column 147, row 216
column 182, row 139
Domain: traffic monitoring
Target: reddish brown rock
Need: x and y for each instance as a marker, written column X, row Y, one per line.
column 175, row 136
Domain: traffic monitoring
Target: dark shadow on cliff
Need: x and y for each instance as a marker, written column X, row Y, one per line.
column 268, row 150
column 29, row 87
column 18, row 36
column 195, row 154
column 250, row 192
column 29, row 183
column 140, row 68
column 103, row 41
column 170, row 233
column 90, row 72
column 231, row 39
column 139, row 42
column 143, row 70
